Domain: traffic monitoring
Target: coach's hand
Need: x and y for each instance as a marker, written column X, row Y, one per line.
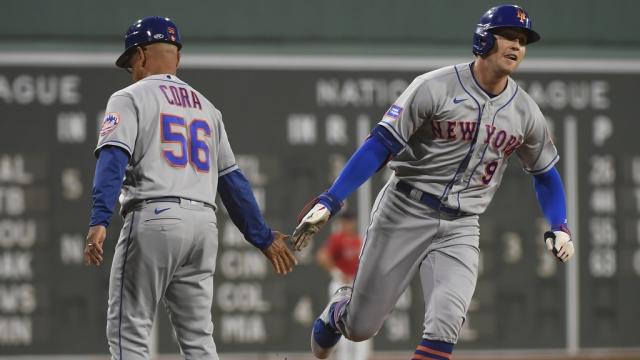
column 559, row 242
column 309, row 225
column 279, row 254
column 93, row 247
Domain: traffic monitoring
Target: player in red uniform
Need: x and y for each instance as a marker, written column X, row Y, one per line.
column 339, row 256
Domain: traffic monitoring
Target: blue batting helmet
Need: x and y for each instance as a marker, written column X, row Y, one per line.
column 502, row 16
column 146, row 31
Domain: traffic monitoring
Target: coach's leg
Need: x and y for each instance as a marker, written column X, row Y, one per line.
column 190, row 294
column 140, row 267
column 448, row 274
column 124, row 337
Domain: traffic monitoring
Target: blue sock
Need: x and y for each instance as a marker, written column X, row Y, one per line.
column 433, row 350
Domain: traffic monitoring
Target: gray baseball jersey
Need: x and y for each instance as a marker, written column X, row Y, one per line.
column 167, row 248
column 458, row 139
column 175, row 137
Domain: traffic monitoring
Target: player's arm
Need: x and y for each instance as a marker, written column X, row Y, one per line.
column 237, row 196
column 107, row 181
column 371, row 156
column 551, row 197
column 407, row 114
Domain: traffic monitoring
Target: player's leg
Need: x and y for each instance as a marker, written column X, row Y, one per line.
column 141, row 265
column 395, row 244
column 190, row 294
column 448, row 275
column 397, row 240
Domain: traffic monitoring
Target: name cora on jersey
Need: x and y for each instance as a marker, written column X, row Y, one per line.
column 179, row 96
column 465, row 130
column 110, row 122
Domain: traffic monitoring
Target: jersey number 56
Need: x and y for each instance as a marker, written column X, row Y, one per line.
column 193, row 147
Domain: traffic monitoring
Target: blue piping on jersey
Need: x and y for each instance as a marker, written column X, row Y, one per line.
column 117, row 143
column 473, row 142
column 493, row 121
column 545, row 168
column 124, row 263
column 171, row 81
column 397, row 134
column 473, row 76
column 227, row 168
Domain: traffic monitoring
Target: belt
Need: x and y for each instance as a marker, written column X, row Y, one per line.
column 430, row 200
column 171, row 199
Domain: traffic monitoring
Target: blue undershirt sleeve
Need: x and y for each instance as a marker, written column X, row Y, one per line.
column 551, row 197
column 107, row 182
column 370, row 157
column 236, row 195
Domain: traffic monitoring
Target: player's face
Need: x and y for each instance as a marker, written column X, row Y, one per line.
column 509, row 50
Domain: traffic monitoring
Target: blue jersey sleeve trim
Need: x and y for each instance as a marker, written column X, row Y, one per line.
column 236, row 195
column 227, row 170
column 107, row 181
column 551, row 197
column 387, row 139
column 393, row 131
column 546, row 168
column 117, row 143
column 368, row 159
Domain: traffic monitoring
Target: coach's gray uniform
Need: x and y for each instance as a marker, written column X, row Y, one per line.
column 167, row 247
column 457, row 141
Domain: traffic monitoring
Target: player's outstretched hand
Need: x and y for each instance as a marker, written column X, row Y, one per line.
column 309, row 225
column 93, row 247
column 559, row 242
column 279, row 254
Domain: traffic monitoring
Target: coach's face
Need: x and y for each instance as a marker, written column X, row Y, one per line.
column 509, row 50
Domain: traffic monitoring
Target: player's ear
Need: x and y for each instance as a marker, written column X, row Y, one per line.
column 142, row 57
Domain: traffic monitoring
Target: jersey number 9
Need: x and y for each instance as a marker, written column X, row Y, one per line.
column 193, row 147
column 489, row 171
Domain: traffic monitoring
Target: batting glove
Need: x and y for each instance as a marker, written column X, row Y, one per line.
column 324, row 206
column 559, row 242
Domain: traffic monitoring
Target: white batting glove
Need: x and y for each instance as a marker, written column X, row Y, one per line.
column 309, row 225
column 559, row 242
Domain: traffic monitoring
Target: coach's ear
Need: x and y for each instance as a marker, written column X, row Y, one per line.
column 141, row 56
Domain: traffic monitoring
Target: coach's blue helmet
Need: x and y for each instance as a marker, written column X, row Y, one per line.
column 502, row 16
column 146, row 31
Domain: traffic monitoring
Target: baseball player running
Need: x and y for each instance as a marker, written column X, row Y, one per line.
column 449, row 136
column 169, row 144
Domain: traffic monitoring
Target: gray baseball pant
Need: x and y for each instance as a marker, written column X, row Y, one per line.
column 406, row 236
column 168, row 256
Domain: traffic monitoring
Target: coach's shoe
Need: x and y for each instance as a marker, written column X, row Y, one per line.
column 324, row 337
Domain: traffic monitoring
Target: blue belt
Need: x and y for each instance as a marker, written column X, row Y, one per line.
column 430, row 200
column 171, row 199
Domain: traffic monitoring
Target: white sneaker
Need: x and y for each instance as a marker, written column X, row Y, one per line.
column 323, row 336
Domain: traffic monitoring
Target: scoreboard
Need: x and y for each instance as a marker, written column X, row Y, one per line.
column 292, row 130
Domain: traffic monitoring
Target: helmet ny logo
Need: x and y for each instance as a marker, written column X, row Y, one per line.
column 521, row 15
